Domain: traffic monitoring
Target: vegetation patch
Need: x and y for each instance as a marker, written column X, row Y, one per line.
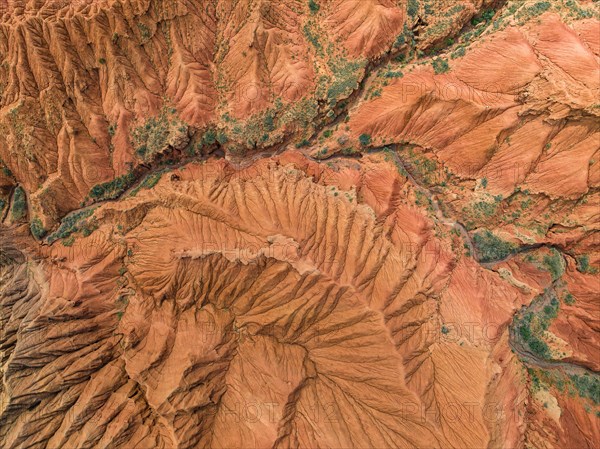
column 112, row 189
column 19, row 204
column 37, row 228
column 413, row 8
column 148, row 182
column 346, row 76
column 553, row 262
column 583, row 265
column 587, row 386
column 424, row 168
column 74, row 222
column 365, row 139
column 492, row 248
column 157, row 134
column 440, row 66
column 486, row 16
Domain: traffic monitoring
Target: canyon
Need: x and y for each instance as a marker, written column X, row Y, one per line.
column 322, row 223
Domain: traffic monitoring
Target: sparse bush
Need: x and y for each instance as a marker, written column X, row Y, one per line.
column 365, row 139
column 19, row 204
column 459, row 53
column 539, row 8
column 346, row 78
column 539, row 347
column 6, row 171
column 583, row 265
column 69, row 241
column 156, row 134
column 221, row 137
column 70, row 224
column 486, row 16
column 440, row 65
column 492, row 248
column 313, row 39
column 554, row 264
column 148, row 182
column 144, row 31
column 413, row 8
column 588, row 387
column 112, row 189
column 37, row 228
column 393, row 74
column 313, row 6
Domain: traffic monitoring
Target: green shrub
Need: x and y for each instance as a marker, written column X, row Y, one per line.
column 19, row 204
column 525, row 332
column 583, row 265
column 313, row 6
column 365, row 139
column 156, row 133
column 554, row 264
column 492, row 248
column 400, row 40
column 345, row 78
column 69, row 241
column 587, row 386
column 269, row 123
column 440, row 65
column 569, row 299
column 459, row 53
column 413, row 8
column 486, row 16
column 209, row 137
column 112, row 189
column 148, row 182
column 393, row 74
column 37, row 228
column 539, row 8
column 221, row 138
column 7, row 172
column 539, row 347
column 70, row 224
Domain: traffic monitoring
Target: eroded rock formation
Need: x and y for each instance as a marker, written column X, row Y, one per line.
column 299, row 224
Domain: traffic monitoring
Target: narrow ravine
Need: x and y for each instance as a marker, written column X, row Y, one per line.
column 528, row 357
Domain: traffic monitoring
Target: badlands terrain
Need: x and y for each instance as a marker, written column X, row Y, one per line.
column 299, row 224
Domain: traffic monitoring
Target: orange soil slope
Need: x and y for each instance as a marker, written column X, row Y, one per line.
column 317, row 330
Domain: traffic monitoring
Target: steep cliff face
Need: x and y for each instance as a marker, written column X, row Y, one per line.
column 299, row 224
